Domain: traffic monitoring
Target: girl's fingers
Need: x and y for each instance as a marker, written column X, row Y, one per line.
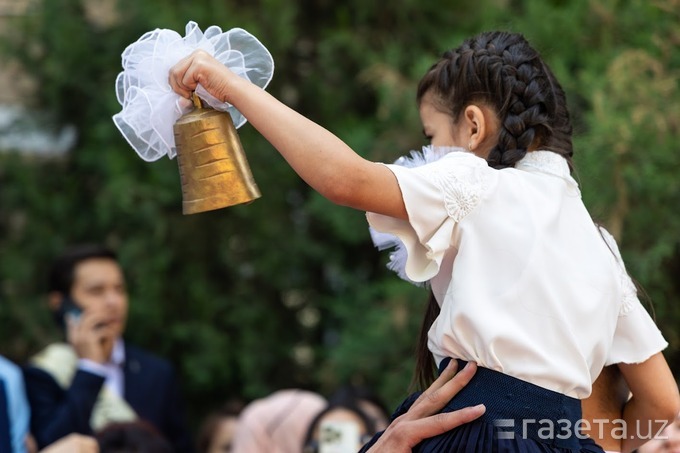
column 178, row 74
column 200, row 67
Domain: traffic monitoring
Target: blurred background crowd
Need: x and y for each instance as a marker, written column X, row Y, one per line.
column 245, row 302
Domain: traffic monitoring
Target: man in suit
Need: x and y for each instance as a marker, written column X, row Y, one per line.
column 97, row 378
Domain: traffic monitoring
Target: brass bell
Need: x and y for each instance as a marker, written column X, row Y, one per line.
column 213, row 167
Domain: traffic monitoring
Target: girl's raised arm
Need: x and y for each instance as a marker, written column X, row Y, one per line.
column 324, row 161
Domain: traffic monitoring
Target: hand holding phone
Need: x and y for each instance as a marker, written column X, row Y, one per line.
column 88, row 331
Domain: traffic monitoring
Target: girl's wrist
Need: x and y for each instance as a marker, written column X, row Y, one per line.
column 238, row 91
column 233, row 87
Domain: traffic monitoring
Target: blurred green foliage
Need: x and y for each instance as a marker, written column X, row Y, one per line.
column 288, row 291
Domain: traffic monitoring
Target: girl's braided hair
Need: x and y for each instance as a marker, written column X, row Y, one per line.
column 501, row 70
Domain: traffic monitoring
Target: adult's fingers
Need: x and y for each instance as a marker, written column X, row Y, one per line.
column 455, row 385
column 402, row 435
column 416, row 431
column 94, row 325
column 441, row 391
column 447, row 374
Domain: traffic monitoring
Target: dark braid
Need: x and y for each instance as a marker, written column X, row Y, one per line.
column 501, row 70
column 560, row 140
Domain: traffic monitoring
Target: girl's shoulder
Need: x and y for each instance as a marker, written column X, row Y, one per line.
column 430, row 154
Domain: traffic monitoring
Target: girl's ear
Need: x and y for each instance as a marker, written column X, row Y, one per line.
column 481, row 123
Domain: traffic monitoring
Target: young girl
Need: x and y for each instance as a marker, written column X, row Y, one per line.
column 528, row 287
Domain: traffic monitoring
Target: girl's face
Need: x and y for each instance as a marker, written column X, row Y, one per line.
column 476, row 130
column 438, row 127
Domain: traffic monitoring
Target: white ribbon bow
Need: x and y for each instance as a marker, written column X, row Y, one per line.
column 151, row 107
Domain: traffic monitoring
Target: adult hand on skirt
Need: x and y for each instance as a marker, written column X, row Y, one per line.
column 423, row 419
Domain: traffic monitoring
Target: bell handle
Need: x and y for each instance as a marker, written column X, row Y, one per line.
column 198, row 103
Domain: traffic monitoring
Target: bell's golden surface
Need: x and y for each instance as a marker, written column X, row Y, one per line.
column 212, row 164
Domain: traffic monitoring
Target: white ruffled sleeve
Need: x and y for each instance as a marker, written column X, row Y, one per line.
column 437, row 196
column 636, row 337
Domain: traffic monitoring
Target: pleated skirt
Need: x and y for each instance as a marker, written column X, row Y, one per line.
column 519, row 417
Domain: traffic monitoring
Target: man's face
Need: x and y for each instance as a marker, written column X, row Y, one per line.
column 98, row 284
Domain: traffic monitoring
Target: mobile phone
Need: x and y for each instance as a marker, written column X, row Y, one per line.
column 339, row 437
column 69, row 309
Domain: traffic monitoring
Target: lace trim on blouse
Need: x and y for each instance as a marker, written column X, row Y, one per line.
column 629, row 291
column 545, row 161
column 463, row 188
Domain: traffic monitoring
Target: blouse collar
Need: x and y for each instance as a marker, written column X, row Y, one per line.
column 545, row 162
column 550, row 163
column 542, row 161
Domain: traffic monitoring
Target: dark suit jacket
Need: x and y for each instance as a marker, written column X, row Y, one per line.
column 150, row 389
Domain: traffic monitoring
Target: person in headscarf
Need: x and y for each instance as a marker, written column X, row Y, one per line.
column 277, row 423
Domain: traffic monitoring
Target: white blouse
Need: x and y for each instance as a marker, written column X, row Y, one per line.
column 526, row 284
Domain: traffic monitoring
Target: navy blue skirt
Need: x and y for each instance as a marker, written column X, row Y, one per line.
column 519, row 417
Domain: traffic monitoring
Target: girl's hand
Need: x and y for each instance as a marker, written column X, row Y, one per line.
column 201, row 67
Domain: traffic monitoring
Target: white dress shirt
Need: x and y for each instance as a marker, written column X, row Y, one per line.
column 111, row 370
column 525, row 281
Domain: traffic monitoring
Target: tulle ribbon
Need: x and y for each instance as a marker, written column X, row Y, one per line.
column 384, row 241
column 151, row 107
